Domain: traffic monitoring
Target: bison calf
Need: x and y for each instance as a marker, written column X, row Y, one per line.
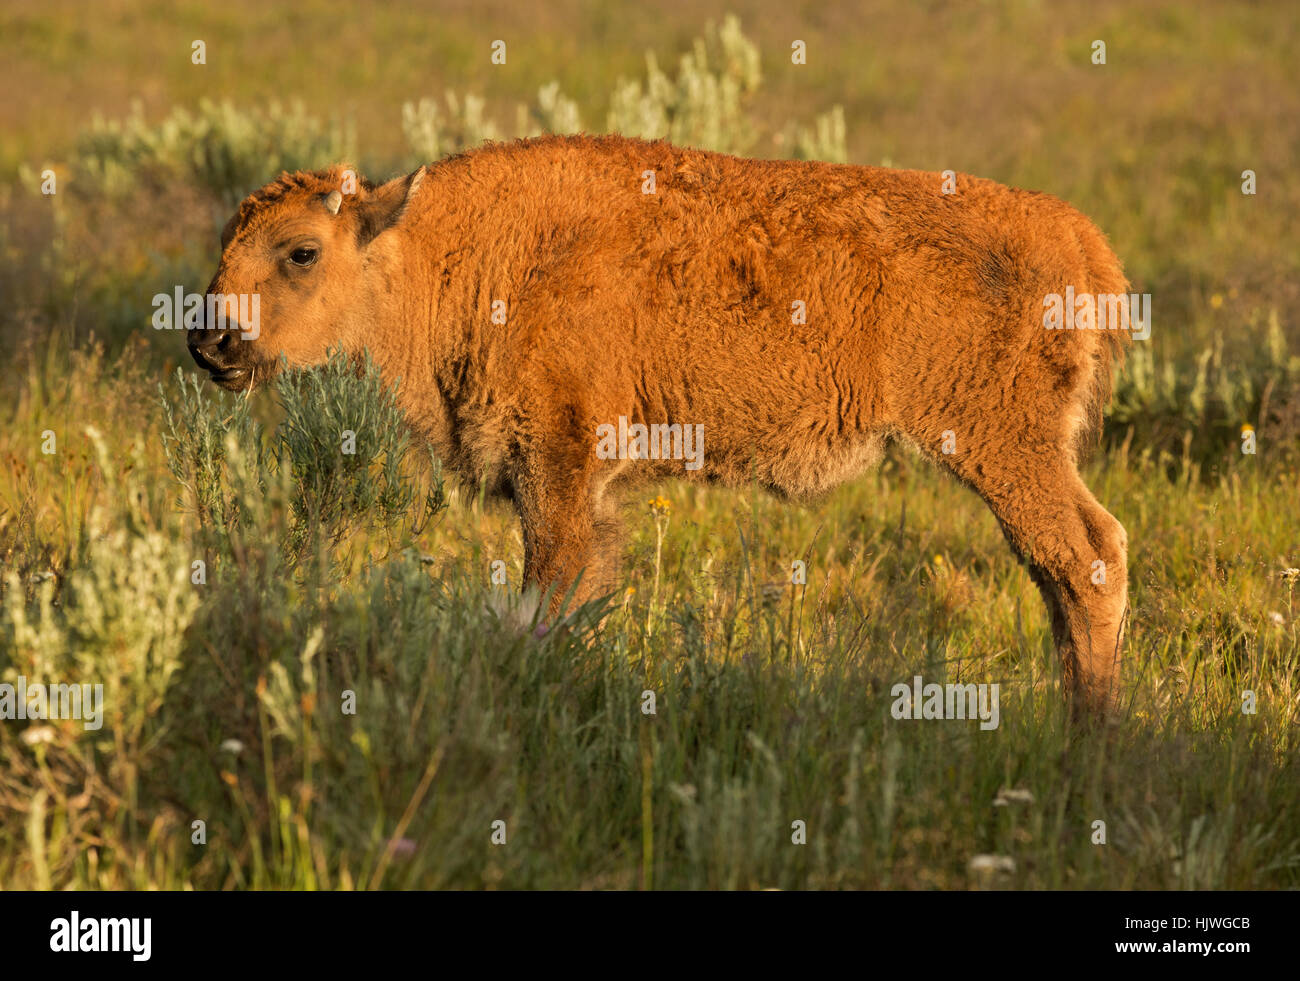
column 559, row 308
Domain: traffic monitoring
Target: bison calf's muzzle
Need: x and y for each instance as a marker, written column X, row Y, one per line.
column 215, row 350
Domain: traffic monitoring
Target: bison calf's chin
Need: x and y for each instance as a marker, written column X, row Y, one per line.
column 562, row 311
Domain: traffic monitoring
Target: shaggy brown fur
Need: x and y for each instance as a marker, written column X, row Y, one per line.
column 924, row 317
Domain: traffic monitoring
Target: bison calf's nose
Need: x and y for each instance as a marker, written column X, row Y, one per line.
column 211, row 348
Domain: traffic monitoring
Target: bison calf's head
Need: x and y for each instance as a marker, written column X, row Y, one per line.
column 297, row 274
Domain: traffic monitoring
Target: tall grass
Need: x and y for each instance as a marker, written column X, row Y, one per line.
column 227, row 701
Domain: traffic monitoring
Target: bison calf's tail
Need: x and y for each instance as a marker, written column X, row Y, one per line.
column 1106, row 279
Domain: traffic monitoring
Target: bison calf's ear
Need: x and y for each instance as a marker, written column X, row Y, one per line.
column 385, row 205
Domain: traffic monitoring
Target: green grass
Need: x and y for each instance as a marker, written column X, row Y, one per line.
column 772, row 700
column 224, row 701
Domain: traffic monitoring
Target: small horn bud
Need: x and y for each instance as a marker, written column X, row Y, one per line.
column 333, row 201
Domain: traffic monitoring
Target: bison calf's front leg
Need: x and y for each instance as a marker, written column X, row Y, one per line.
column 568, row 539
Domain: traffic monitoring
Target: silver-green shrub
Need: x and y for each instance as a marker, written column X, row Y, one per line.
column 339, row 455
column 227, row 150
column 344, row 441
column 704, row 105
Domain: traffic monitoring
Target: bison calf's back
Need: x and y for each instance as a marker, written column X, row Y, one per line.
column 572, row 315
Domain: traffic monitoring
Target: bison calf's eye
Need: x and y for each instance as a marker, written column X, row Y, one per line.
column 304, row 255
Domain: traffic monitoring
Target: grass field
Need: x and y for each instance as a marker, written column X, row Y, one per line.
column 227, row 702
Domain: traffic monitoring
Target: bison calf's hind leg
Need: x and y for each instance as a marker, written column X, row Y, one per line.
column 1077, row 554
